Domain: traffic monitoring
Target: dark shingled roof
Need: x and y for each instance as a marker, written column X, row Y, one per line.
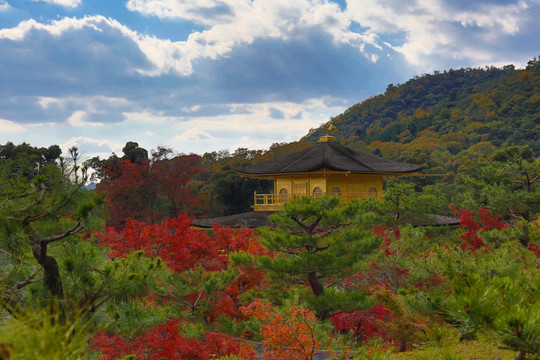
column 249, row 220
column 331, row 155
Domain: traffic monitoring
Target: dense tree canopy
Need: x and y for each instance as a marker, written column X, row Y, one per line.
column 149, row 189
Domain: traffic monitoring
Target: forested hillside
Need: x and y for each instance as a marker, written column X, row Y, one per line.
column 447, row 113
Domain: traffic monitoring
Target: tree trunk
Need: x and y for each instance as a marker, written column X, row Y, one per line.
column 316, row 286
column 50, row 269
column 318, row 290
column 525, row 238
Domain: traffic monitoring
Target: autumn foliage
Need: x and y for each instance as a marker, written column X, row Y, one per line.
column 288, row 335
column 194, row 256
column 474, row 226
column 166, row 342
column 179, row 245
column 150, row 190
column 363, row 324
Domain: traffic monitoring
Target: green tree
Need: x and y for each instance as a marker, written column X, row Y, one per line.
column 507, row 184
column 42, row 220
column 507, row 309
column 43, row 334
column 317, row 242
column 233, row 192
column 134, row 153
column 39, row 212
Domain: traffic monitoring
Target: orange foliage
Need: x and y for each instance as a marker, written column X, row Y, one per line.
column 289, row 335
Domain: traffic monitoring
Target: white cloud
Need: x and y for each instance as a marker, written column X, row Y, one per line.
column 192, row 135
column 497, row 19
column 191, row 109
column 59, row 27
column 80, row 119
column 231, row 23
column 10, row 127
column 248, row 125
column 66, row 3
column 4, row 5
column 91, row 104
column 442, row 30
column 83, row 142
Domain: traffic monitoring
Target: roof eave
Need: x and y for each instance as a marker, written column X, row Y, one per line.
column 383, row 173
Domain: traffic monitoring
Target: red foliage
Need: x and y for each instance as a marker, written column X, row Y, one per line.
column 149, row 191
column 486, row 221
column 112, row 346
column 179, row 245
column 221, row 345
column 232, row 240
column 172, row 179
column 229, row 240
column 535, row 249
column 387, row 234
column 183, row 248
column 288, row 335
column 129, row 191
column 363, row 324
column 430, row 282
column 228, row 303
column 165, row 342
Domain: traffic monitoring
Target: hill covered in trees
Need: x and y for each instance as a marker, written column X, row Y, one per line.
column 447, row 113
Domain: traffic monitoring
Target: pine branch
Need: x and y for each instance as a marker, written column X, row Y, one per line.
column 71, row 231
column 19, row 285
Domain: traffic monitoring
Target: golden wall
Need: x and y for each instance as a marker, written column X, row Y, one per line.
column 346, row 183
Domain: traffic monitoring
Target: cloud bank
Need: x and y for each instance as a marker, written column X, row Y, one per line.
column 227, row 73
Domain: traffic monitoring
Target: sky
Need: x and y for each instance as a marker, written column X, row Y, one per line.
column 209, row 75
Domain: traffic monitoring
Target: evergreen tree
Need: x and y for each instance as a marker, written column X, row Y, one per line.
column 317, row 242
column 42, row 223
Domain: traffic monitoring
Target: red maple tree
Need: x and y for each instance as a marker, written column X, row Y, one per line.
column 288, row 335
column 472, row 240
column 166, row 342
column 150, row 190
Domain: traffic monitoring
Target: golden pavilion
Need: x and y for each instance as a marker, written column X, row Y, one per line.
column 325, row 168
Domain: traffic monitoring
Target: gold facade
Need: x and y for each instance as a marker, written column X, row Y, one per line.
column 319, row 183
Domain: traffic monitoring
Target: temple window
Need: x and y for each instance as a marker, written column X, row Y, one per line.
column 372, row 192
column 283, row 196
column 317, row 192
column 336, row 191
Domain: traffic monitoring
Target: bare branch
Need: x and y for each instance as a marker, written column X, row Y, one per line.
column 300, row 223
column 19, row 285
column 71, row 231
column 321, row 248
column 314, row 224
column 37, row 201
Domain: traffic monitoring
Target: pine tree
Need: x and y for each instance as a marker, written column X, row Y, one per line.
column 316, row 242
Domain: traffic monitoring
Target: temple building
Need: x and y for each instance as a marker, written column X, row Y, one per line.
column 325, row 168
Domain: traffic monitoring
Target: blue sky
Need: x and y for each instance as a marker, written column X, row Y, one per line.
column 209, row 75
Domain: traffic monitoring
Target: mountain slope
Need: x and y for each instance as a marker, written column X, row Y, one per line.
column 447, row 111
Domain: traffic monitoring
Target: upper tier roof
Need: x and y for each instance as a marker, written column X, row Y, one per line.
column 330, row 155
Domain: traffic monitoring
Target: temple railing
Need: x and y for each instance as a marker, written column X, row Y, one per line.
column 275, row 202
